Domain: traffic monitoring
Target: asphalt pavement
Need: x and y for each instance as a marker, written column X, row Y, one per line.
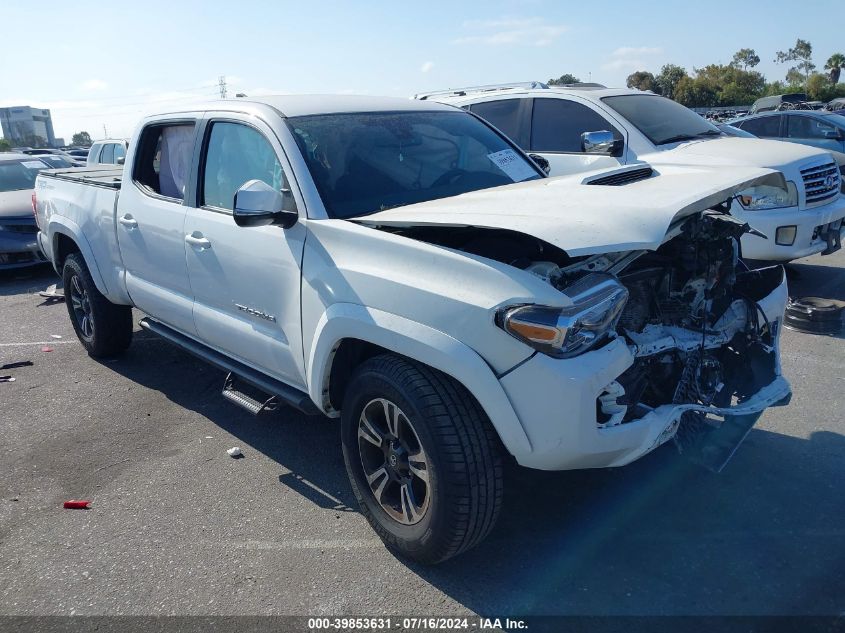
column 179, row 527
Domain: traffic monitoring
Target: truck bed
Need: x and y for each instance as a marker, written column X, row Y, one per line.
column 100, row 175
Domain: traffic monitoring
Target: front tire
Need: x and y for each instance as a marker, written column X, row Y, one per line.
column 103, row 328
column 423, row 460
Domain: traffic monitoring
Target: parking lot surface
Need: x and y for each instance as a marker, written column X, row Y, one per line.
column 179, row 527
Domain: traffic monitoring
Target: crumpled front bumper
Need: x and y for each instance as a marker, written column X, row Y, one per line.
column 555, row 401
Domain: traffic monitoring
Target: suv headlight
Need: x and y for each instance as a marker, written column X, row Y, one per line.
column 598, row 299
column 768, row 197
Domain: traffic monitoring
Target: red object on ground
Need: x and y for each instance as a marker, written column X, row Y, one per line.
column 75, row 504
column 46, row 349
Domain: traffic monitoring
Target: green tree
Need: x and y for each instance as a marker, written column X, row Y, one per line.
column 564, row 80
column 694, row 93
column 820, row 88
column 81, row 138
column 642, row 80
column 5, row 145
column 730, row 84
column 668, row 78
column 745, row 57
column 795, row 80
column 834, row 66
column 802, row 54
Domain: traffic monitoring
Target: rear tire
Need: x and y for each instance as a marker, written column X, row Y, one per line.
column 103, row 328
column 440, row 491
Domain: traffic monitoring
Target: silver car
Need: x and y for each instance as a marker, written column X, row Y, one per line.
column 18, row 245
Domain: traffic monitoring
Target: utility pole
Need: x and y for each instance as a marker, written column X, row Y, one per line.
column 222, row 84
column 105, row 131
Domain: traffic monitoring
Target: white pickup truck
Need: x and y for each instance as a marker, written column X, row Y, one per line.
column 403, row 266
column 579, row 129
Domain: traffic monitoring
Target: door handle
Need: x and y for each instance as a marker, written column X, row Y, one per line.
column 198, row 242
column 129, row 222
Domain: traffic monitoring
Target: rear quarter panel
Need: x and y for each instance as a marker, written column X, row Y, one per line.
column 86, row 214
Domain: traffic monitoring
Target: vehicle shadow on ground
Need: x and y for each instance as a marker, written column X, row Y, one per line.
column 816, row 280
column 659, row 536
column 662, row 536
column 18, row 281
column 307, row 446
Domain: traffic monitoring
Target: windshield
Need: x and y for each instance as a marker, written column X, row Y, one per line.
column 365, row 162
column 660, row 119
column 18, row 175
column 54, row 160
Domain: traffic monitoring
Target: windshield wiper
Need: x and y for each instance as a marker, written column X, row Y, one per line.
column 688, row 137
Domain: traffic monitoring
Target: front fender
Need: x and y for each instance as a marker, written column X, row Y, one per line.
column 65, row 226
column 421, row 343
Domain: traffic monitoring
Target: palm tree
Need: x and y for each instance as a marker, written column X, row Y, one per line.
column 835, row 65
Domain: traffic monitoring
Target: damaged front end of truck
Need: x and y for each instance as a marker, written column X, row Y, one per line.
column 666, row 334
column 702, row 330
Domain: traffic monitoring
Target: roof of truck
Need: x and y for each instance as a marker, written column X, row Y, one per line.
column 301, row 105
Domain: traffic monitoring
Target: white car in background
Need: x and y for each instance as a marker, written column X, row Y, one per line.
column 107, row 152
column 586, row 127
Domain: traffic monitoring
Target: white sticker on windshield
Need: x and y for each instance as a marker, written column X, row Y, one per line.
column 33, row 164
column 512, row 164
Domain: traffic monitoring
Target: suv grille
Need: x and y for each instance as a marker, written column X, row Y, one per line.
column 623, row 178
column 821, row 182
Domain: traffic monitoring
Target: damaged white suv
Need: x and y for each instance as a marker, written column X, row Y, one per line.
column 403, row 266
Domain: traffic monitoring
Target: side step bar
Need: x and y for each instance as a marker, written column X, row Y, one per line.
column 234, row 395
column 282, row 392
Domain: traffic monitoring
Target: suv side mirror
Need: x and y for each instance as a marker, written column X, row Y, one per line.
column 542, row 163
column 121, row 160
column 258, row 204
column 601, row 143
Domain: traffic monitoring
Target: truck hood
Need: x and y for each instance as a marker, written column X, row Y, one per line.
column 585, row 219
column 14, row 204
column 737, row 151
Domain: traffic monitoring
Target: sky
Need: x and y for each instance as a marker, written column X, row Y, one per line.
column 101, row 66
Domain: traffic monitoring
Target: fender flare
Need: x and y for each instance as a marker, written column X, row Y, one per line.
column 61, row 225
column 419, row 342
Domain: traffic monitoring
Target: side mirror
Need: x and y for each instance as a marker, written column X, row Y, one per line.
column 258, row 204
column 121, row 160
column 601, row 143
column 834, row 135
column 542, row 163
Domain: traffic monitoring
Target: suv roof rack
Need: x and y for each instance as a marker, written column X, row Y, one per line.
column 460, row 92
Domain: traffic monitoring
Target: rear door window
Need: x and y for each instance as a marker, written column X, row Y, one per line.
column 162, row 161
column 557, row 125
column 504, row 115
column 766, row 126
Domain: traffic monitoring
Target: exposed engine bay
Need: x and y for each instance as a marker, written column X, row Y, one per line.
column 692, row 319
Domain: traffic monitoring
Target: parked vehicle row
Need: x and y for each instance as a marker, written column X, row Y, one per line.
column 577, row 129
column 405, row 267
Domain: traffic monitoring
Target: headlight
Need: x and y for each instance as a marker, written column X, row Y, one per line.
column 566, row 332
column 768, row 197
